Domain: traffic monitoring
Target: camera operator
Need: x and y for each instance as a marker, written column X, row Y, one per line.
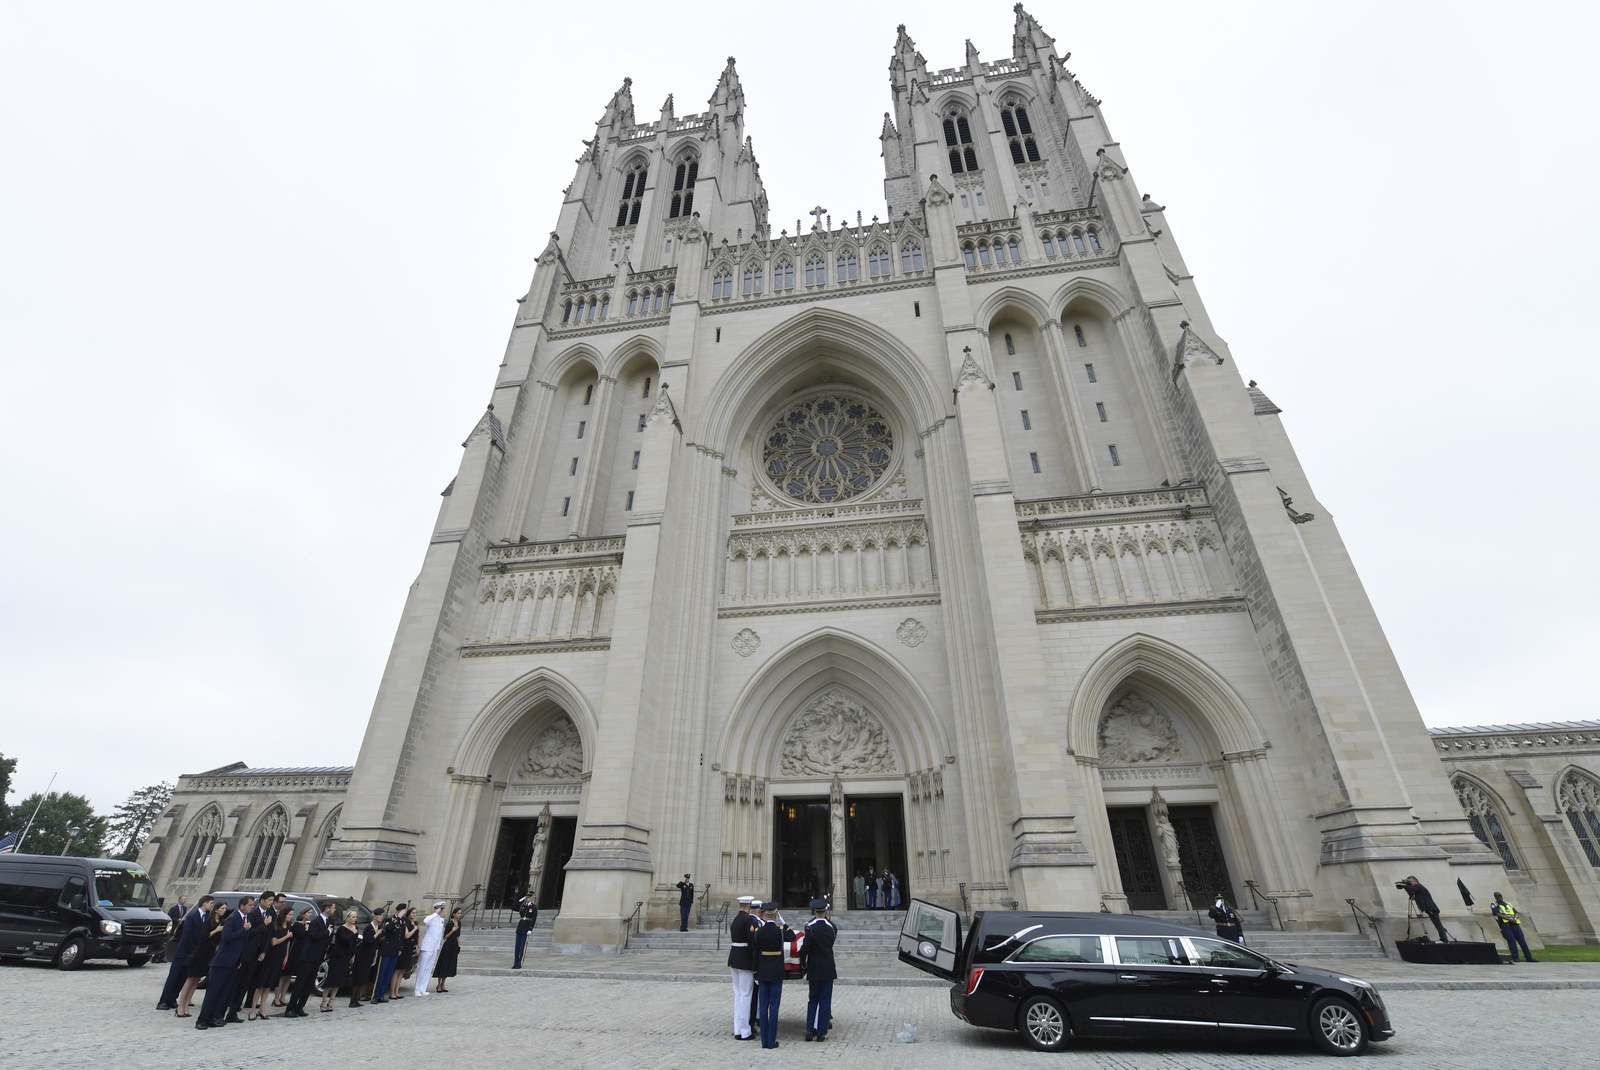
column 1424, row 901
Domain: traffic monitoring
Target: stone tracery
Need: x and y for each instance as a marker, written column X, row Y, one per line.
column 829, row 448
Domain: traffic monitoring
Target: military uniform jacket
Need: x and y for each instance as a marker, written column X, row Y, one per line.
column 769, row 953
column 527, row 918
column 741, row 931
column 817, row 951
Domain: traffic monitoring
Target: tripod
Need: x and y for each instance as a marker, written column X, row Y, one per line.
column 1414, row 915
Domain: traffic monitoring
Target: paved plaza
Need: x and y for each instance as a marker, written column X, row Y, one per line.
column 103, row 1015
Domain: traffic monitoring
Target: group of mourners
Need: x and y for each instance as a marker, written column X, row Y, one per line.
column 877, row 891
column 259, row 949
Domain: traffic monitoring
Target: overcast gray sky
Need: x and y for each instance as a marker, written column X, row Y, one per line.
column 258, row 265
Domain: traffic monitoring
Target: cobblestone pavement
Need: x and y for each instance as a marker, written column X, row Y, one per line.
column 104, row 1016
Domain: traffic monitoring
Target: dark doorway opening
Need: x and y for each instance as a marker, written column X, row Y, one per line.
column 1136, row 857
column 875, row 839
column 800, row 834
column 513, row 854
column 1205, row 870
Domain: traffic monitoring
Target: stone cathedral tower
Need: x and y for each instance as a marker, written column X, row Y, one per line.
column 951, row 542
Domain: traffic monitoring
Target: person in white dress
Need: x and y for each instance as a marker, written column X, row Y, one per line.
column 432, row 940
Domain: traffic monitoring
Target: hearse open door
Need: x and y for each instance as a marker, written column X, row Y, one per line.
column 930, row 939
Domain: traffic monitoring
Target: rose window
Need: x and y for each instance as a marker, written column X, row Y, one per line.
column 830, row 448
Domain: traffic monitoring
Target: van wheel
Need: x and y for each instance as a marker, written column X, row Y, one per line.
column 1337, row 1028
column 69, row 956
column 138, row 960
column 1043, row 1024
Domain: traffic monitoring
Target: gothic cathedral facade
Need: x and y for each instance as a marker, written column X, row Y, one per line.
column 951, row 542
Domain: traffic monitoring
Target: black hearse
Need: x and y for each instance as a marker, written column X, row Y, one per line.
column 69, row 910
column 1051, row 975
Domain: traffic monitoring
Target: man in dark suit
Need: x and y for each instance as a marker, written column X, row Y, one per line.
column 816, row 955
column 191, row 928
column 769, row 975
column 224, row 964
column 309, row 956
column 254, row 946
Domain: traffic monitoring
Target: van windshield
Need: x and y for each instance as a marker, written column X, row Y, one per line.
column 124, row 888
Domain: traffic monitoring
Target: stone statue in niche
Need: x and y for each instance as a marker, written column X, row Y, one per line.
column 1134, row 731
column 835, row 733
column 1166, row 835
column 836, row 813
column 536, row 858
column 556, row 754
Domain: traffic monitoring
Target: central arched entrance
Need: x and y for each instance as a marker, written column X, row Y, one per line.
column 832, row 771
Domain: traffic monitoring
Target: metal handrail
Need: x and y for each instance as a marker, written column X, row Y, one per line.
column 1183, row 890
column 722, row 921
column 1358, row 914
column 632, row 926
column 705, row 897
column 966, row 907
column 1255, row 891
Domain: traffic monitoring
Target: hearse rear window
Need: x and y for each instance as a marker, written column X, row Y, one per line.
column 1150, row 951
column 1062, row 949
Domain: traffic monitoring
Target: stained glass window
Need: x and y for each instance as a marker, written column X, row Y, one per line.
column 1579, row 798
column 830, row 448
column 1484, row 817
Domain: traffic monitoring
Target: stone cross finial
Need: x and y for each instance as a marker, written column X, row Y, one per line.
column 817, row 213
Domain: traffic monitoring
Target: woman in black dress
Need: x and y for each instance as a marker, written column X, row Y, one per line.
column 297, row 934
column 341, row 959
column 449, row 951
column 200, row 961
column 408, row 949
column 270, row 967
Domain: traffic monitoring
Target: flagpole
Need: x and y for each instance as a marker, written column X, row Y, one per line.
column 29, row 825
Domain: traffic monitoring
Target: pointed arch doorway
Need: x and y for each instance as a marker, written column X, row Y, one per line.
column 806, row 864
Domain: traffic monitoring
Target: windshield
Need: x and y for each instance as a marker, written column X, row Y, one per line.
column 124, row 888
column 363, row 915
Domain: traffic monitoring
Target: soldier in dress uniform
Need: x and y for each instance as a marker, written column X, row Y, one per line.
column 527, row 918
column 742, row 964
column 816, row 954
column 769, row 975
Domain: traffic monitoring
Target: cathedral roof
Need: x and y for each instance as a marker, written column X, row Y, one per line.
column 241, row 769
column 1536, row 726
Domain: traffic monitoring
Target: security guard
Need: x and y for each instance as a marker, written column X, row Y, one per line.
column 1510, row 923
column 527, row 918
column 816, row 954
column 742, row 965
column 769, row 974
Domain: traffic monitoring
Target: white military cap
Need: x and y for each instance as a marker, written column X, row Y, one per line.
column 756, row 903
column 747, row 900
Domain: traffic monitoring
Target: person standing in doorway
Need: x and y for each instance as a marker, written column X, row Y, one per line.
column 527, row 918
column 816, row 955
column 769, row 975
column 858, row 885
column 432, row 940
column 742, row 966
column 685, row 902
column 872, row 888
column 1510, row 922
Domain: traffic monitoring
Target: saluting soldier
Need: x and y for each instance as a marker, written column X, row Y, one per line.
column 742, row 965
column 769, row 975
column 527, row 918
column 816, row 954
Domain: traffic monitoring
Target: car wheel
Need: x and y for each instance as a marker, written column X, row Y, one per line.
column 1043, row 1024
column 1337, row 1028
column 69, row 956
column 138, row 960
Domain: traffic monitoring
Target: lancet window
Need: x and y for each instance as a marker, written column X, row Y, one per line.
column 683, row 180
column 202, row 838
column 910, row 258
column 958, row 139
column 722, row 285
column 632, row 194
column 1484, row 816
column 878, row 262
column 1578, row 796
column 1019, row 132
column 271, row 831
column 848, row 267
column 783, row 275
column 816, row 271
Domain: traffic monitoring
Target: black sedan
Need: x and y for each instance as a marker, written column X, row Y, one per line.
column 1052, row 975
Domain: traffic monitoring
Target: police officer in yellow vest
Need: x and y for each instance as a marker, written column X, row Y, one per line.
column 1510, row 927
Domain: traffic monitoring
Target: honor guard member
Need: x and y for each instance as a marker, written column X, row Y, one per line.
column 742, row 965
column 527, row 918
column 816, row 955
column 769, row 975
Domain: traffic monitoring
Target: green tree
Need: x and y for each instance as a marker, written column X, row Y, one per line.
column 131, row 822
column 61, row 812
column 7, row 767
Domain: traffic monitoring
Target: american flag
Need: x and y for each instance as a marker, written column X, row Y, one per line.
column 8, row 843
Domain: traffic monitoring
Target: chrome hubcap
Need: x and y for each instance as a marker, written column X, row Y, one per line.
column 1044, row 1024
column 69, row 954
column 1340, row 1026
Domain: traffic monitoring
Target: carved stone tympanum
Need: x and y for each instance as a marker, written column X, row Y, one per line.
column 835, row 733
column 1134, row 731
column 556, row 754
